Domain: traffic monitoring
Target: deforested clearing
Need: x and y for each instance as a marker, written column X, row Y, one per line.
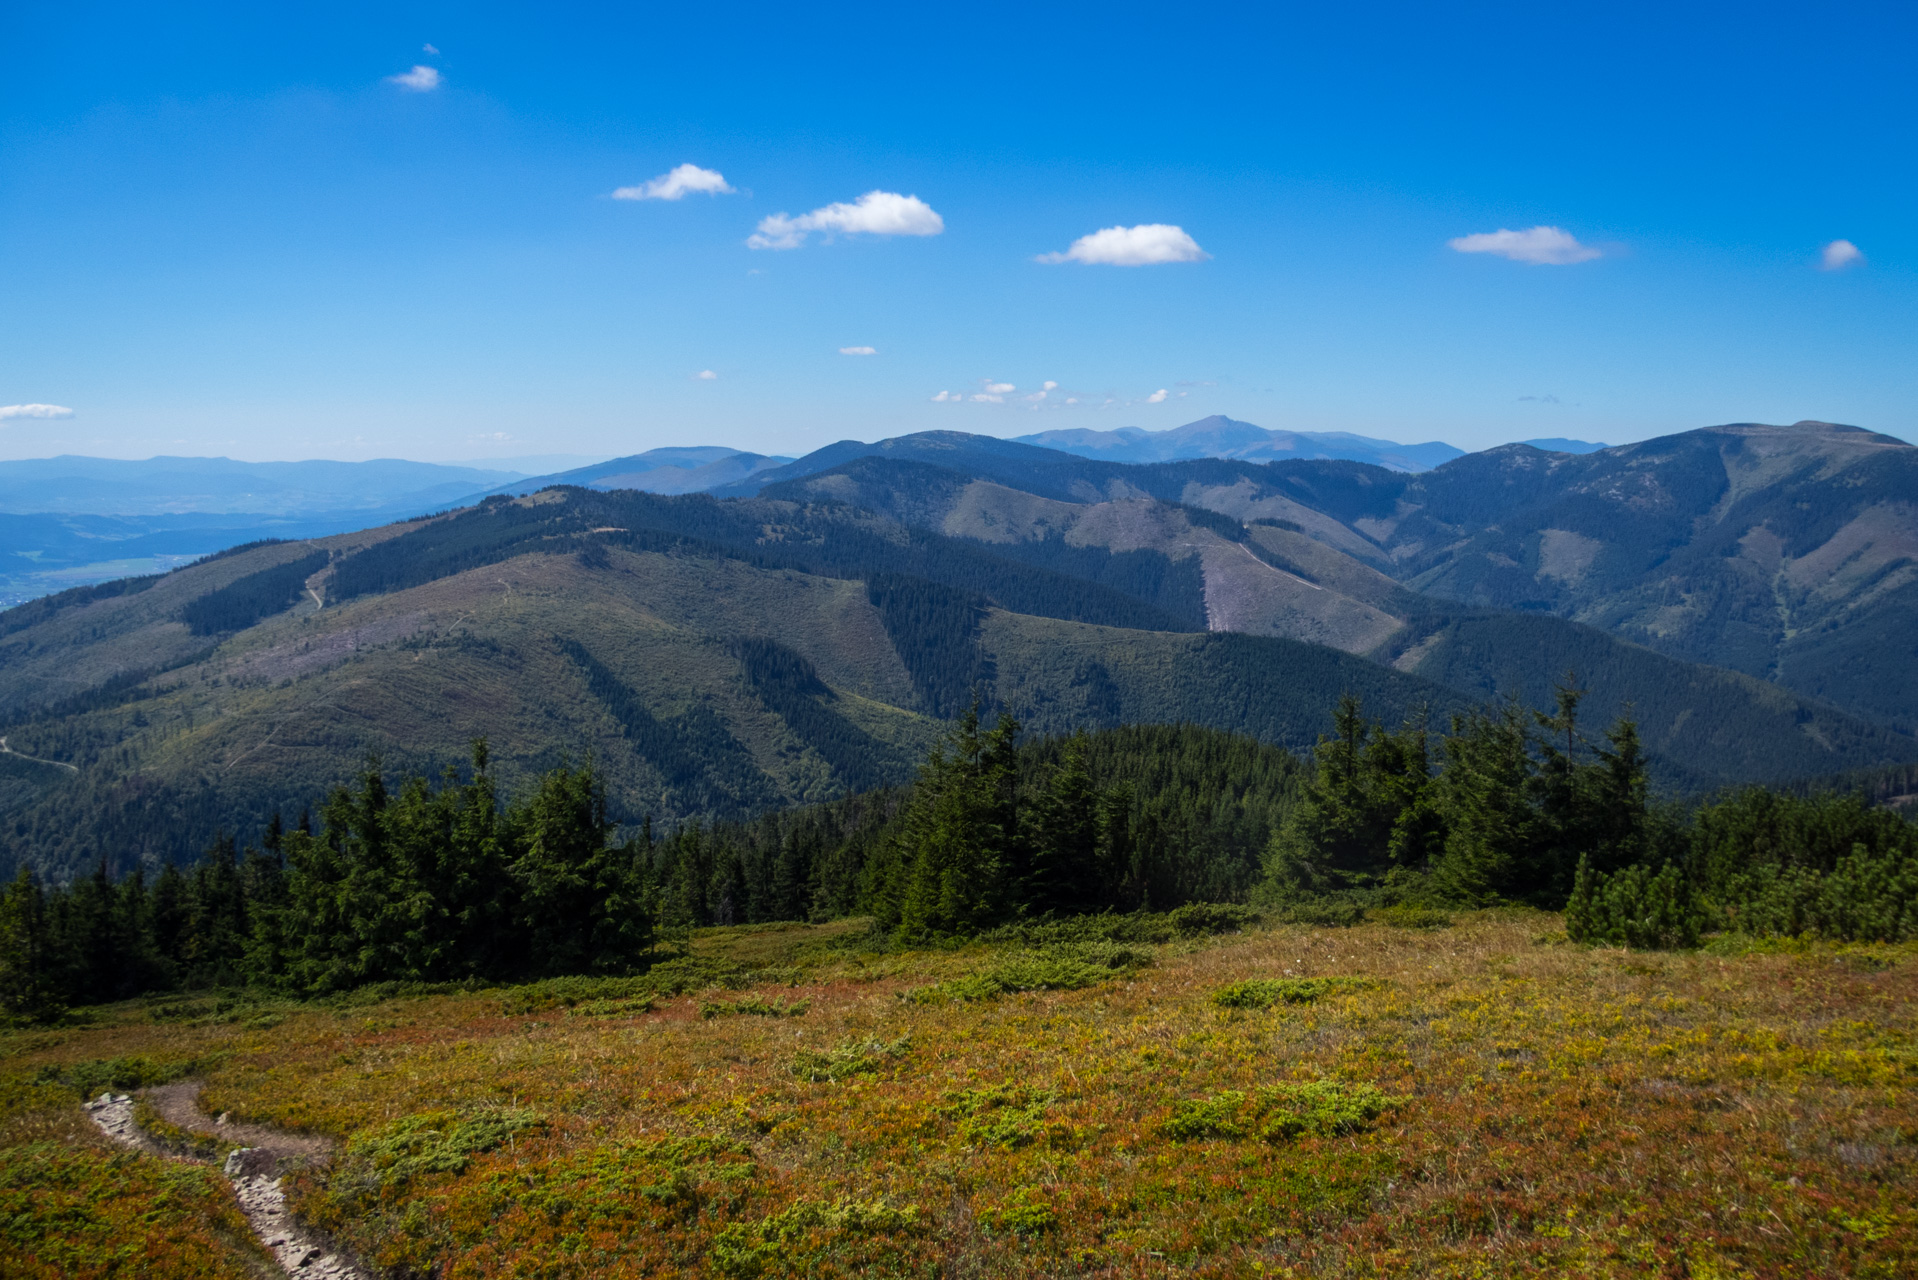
column 1479, row 1098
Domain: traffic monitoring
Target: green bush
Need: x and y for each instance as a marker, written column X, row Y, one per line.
column 1280, row 1113
column 1058, row 968
column 1409, row 917
column 1263, row 993
column 834, row 1066
column 1867, row 896
column 1634, row 907
column 431, row 1142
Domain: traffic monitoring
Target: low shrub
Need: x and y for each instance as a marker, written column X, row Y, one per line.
column 1058, row 968
column 753, row 1005
column 1634, row 907
column 834, row 1066
column 801, row 1231
column 1263, row 993
column 429, row 1143
column 1280, row 1113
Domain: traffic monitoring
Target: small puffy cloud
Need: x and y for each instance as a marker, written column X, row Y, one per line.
column 427, row 48
column 706, row 375
column 988, row 397
column 1840, row 254
column 859, row 351
column 419, row 79
column 1540, row 246
column 1145, row 245
column 1157, row 397
column 1051, row 386
column 877, row 213
column 675, row 183
column 493, row 437
column 949, row 397
column 1034, row 396
column 11, row 411
column 996, row 388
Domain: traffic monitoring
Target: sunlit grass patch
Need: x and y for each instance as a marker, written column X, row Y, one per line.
column 1279, row 1113
column 836, row 1065
column 757, row 1006
column 1066, row 967
column 1264, row 993
column 798, row 1238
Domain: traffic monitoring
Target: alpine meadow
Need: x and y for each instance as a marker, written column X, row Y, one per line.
column 642, row 645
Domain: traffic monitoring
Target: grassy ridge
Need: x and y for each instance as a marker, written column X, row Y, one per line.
column 1458, row 1101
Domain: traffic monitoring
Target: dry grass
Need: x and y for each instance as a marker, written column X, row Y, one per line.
column 1565, row 1111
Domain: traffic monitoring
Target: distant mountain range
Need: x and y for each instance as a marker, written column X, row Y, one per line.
column 83, row 520
column 1747, row 592
column 698, row 469
column 1221, row 437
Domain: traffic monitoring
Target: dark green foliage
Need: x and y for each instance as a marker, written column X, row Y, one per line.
column 1122, row 819
column 1280, row 1113
column 1634, row 907
column 1264, row 993
column 244, row 601
column 420, row 886
column 1827, row 865
column 1520, row 800
column 1177, row 587
column 696, row 754
column 792, row 689
column 935, row 630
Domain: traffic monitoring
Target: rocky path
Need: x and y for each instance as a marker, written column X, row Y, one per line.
column 258, row 1157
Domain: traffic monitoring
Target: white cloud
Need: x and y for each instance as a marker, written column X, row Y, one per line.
column 1072, row 399
column 877, row 213
column 706, row 375
column 987, row 397
column 996, row 388
column 1034, row 396
column 1840, row 254
column 676, row 183
column 427, row 48
column 1142, row 246
column 8, row 411
column 419, row 79
column 1157, row 397
column 1540, row 246
column 493, row 437
column 1052, row 386
column 859, row 351
column 948, row 397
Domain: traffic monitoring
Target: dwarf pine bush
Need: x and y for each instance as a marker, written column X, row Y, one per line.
column 1634, row 907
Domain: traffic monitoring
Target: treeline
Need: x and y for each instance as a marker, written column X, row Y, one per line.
column 1142, row 817
column 426, row 884
column 244, row 601
column 441, row 881
column 1521, row 806
column 437, row 881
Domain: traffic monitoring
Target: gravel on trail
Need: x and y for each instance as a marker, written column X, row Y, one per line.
column 253, row 1166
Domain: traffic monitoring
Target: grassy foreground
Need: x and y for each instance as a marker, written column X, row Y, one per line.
column 1478, row 1099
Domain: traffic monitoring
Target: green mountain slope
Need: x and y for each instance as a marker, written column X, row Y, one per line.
column 721, row 658
column 708, row 680
column 1274, row 577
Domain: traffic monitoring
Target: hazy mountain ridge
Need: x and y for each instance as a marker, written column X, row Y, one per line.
column 1221, row 437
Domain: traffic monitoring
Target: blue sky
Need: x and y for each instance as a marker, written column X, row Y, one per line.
column 232, row 232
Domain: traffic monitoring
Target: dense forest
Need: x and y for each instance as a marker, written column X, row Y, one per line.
column 441, row 880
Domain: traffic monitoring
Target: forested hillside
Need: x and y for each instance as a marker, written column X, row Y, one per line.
column 722, row 658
